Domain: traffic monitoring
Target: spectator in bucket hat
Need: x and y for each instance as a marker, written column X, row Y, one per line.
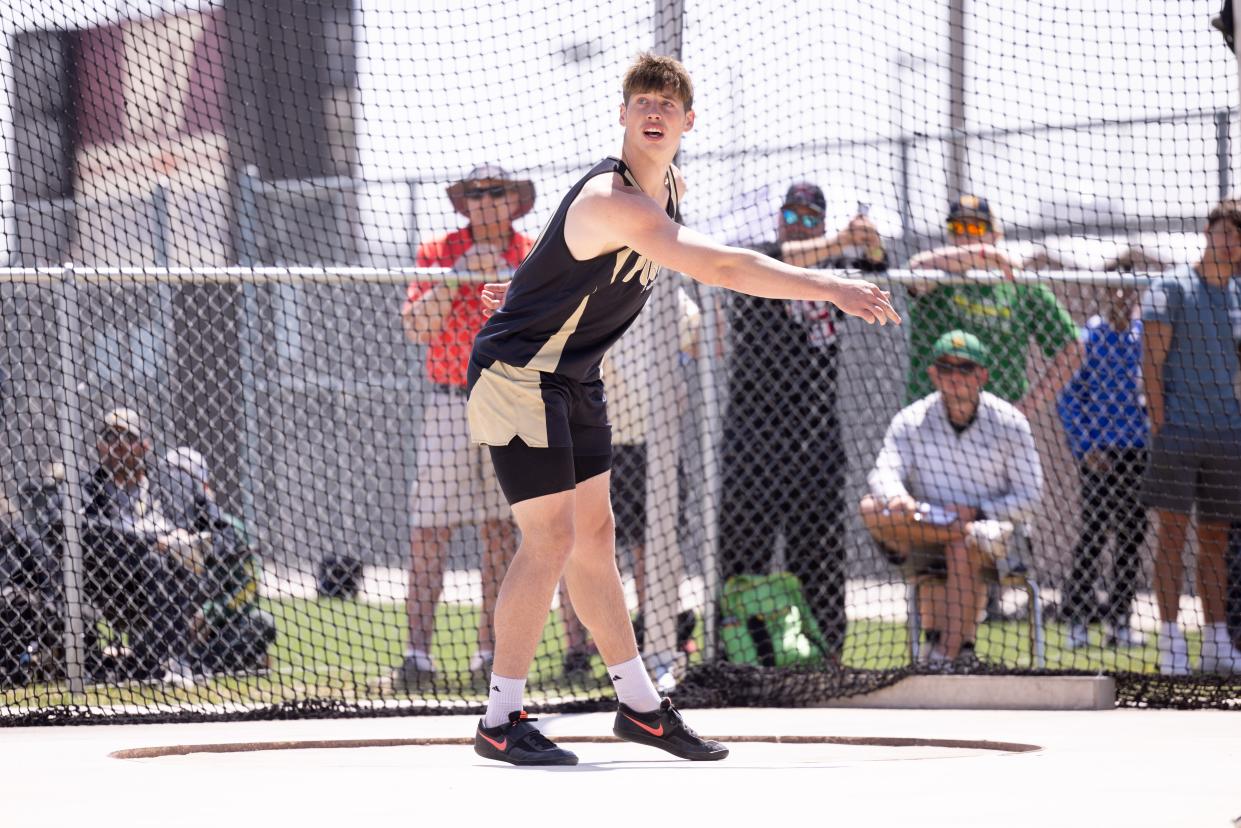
column 453, row 482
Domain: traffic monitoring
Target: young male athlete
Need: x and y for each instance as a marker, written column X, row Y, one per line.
column 536, row 399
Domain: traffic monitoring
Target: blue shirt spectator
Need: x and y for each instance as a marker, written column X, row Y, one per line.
column 1101, row 408
column 1202, row 358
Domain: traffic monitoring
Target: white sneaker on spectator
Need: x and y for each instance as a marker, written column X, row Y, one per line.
column 663, row 671
column 481, row 661
column 1173, row 651
column 178, row 673
column 991, row 537
column 1077, row 638
column 1125, row 636
column 1218, row 655
column 665, row 680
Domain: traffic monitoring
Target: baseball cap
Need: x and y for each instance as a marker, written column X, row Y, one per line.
column 125, row 419
column 805, row 194
column 970, row 207
column 962, row 345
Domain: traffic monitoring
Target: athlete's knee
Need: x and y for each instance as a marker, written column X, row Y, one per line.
column 550, row 542
column 598, row 532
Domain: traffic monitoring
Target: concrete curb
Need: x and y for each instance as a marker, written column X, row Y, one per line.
column 990, row 693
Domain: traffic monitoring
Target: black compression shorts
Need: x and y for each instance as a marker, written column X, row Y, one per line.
column 526, row 473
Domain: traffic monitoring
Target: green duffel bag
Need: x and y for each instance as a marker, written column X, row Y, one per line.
column 766, row 621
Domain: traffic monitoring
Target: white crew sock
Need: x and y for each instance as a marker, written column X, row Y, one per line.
column 506, row 696
column 633, row 685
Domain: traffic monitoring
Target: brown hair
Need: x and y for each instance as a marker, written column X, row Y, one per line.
column 658, row 73
column 1228, row 209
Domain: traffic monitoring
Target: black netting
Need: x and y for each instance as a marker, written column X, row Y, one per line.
column 243, row 244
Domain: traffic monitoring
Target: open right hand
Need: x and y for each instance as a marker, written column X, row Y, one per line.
column 865, row 300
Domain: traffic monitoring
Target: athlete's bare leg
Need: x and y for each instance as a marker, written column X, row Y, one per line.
column 592, row 577
column 547, row 536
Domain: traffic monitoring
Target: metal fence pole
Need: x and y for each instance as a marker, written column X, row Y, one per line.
column 709, row 370
column 247, row 346
column 958, row 159
column 72, row 450
column 905, row 246
column 1222, row 150
column 665, row 566
column 412, row 234
column 159, row 207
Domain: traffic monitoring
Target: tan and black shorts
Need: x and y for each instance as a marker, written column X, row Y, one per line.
column 546, row 432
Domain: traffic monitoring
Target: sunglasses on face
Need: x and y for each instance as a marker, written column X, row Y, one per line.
column 969, row 228
column 112, row 436
column 956, row 367
column 495, row 191
column 792, row 217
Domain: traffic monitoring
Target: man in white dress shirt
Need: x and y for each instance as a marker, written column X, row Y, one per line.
column 957, row 471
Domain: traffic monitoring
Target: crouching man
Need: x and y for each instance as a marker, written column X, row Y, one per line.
column 957, row 473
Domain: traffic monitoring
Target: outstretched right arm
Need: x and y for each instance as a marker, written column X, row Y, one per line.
column 603, row 219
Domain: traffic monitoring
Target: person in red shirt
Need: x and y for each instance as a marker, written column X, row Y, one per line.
column 454, row 483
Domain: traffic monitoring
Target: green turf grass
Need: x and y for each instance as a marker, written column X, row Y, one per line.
column 337, row 649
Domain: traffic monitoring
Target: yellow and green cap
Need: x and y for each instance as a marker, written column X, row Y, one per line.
column 962, row 345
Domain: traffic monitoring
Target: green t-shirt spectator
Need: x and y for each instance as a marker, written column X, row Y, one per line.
column 1003, row 316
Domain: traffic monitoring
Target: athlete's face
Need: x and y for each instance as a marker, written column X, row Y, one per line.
column 655, row 122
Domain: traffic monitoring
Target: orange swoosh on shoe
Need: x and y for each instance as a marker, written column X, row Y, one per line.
column 500, row 746
column 654, row 731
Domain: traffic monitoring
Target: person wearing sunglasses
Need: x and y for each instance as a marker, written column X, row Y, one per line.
column 453, row 483
column 783, row 461
column 957, row 474
column 1005, row 316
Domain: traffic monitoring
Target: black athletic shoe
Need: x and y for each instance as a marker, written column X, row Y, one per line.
column 519, row 743
column 664, row 729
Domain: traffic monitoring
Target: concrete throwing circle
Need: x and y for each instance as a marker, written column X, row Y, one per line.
column 797, row 750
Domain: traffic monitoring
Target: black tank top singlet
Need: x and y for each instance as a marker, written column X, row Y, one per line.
column 561, row 315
